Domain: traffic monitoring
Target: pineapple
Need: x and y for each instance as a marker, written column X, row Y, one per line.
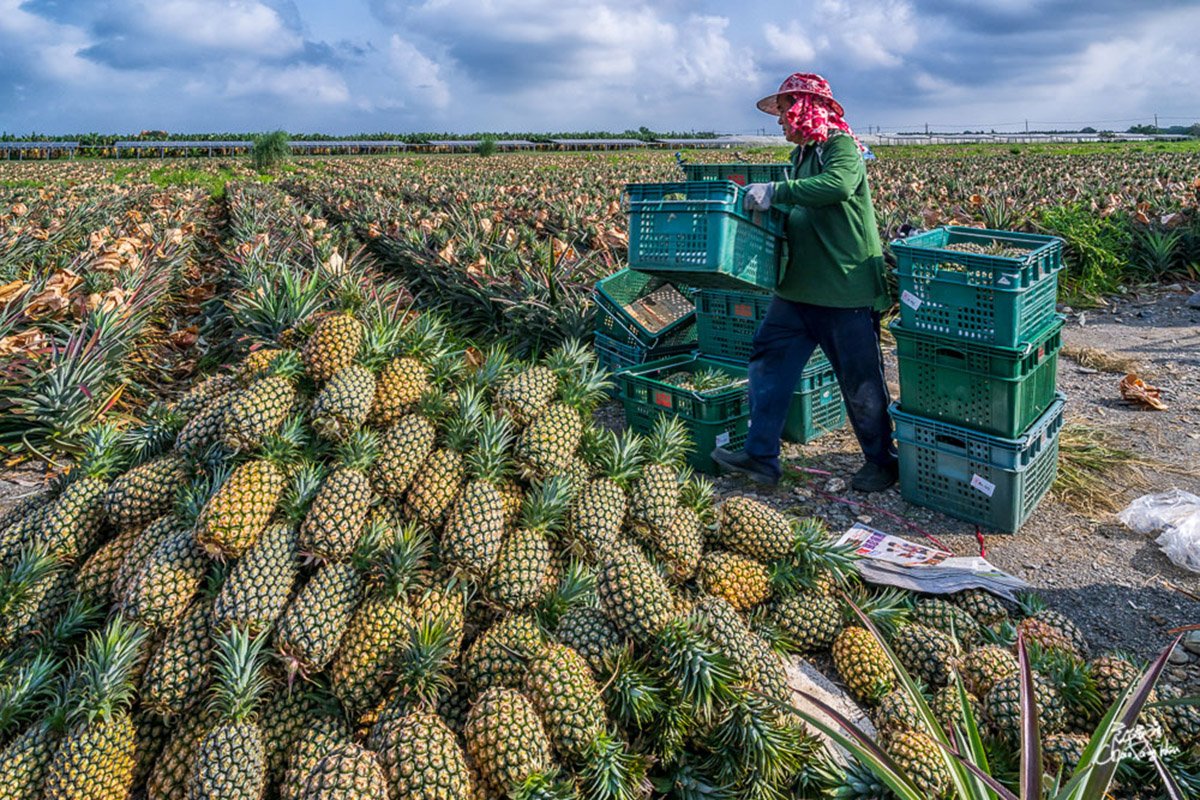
column 362, row 671
column 755, row 530
column 506, row 740
column 921, row 760
column 169, row 775
column 260, row 410
column 313, row 624
column 947, row 706
column 896, row 712
column 256, row 364
column 97, row 575
column 96, row 758
column 21, row 524
column 146, row 492
column 230, row 761
column 404, row 447
column 25, row 759
column 178, row 671
column 947, row 618
column 335, row 520
column 524, row 570
column 206, row 427
column 147, row 540
column 1049, row 627
column 632, row 594
column 163, row 586
column 599, row 507
column 284, row 718
column 1182, row 722
column 1002, row 707
column 742, row 581
column 333, row 346
column 475, row 527
column 522, row 396
column 321, row 734
column 588, row 631
column 680, row 546
column 1112, row 674
column 548, row 443
column 564, row 693
column 725, row 627
column 343, row 404
column 204, row 394
column 73, row 521
column 983, row 667
column 401, row 353
column 422, row 758
column 32, row 593
column 927, row 654
column 499, row 655
column 441, row 478
column 347, row 773
column 258, row 586
column 863, row 664
column 811, row 621
column 1062, row 752
column 985, row 607
column 654, row 495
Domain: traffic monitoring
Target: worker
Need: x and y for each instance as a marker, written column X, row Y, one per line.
column 831, row 294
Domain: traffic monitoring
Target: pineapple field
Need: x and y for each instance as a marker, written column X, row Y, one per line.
column 315, row 491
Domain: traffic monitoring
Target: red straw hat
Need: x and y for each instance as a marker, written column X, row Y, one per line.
column 801, row 83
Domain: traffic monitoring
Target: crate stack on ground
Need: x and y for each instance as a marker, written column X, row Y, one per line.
column 977, row 343
column 697, row 233
column 641, row 318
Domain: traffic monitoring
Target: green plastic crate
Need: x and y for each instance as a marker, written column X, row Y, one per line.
column 741, row 174
column 620, row 289
column 995, row 390
column 727, row 320
column 988, row 299
column 817, row 405
column 993, row 481
column 698, row 233
column 615, row 355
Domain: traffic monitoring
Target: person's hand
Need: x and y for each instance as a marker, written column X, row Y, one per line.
column 758, row 196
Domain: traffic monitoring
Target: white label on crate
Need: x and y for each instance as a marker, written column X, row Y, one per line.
column 1003, row 280
column 722, row 439
column 983, row 485
column 911, row 300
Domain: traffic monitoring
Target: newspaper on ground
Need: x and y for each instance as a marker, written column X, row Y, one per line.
column 894, row 561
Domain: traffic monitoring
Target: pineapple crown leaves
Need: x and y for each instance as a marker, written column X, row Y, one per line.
column 462, row 427
column 695, row 667
column 569, row 357
column 447, row 367
column 103, row 454
column 26, row 688
column 384, row 331
column 749, row 740
column 305, row 482
column 194, row 496
column 240, row 679
column 546, row 504
column 576, row 586
column 287, row 447
column 17, row 584
column 543, row 786
column 496, row 365
column 584, row 387
column 888, row 609
column 274, row 301
column 1030, row 603
column 611, row 772
column 491, row 458
column 424, row 665
column 400, row 566
column 620, row 455
column 697, row 494
column 669, row 441
column 812, row 546
column 102, row 683
column 687, row 780
column 634, row 692
column 1069, row 674
column 288, row 364
column 80, row 615
column 154, row 436
column 359, row 450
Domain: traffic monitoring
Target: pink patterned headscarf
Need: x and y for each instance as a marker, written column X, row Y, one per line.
column 813, row 117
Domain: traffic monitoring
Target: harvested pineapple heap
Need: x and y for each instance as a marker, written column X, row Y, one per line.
column 367, row 562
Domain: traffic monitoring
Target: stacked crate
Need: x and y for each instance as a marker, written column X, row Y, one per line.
column 697, row 232
column 641, row 318
column 977, row 343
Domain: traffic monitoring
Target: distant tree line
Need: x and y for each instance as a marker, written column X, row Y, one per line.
column 105, row 139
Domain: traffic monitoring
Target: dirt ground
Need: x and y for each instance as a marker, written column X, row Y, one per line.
column 1115, row 583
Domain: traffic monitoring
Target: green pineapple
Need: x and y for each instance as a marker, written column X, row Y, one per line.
column 25, row 759
column 742, row 581
column 1002, row 707
column 475, row 527
column 169, row 775
column 499, row 655
column 983, row 667
column 404, row 447
column 96, row 758
column 1063, row 752
column 548, row 443
column 285, row 714
column 441, row 478
column 948, row 708
column 632, row 594
column 335, row 520
column 333, row 346
column 178, row 672
column 230, row 761
column 347, row 773
column 422, row 758
column 524, row 394
column 755, row 530
column 921, row 760
column 401, row 354
column 680, row 546
column 259, row 584
column 344, row 403
column 864, row 666
column 146, row 492
column 523, row 573
column 599, row 507
column 654, row 495
column 260, row 410
column 947, row 618
column 206, row 427
column 32, row 593
column 73, row 521
column 152, row 536
column 589, row 632
column 810, row 620
column 256, row 364
column 985, row 607
column 97, row 575
column 506, row 740
column 323, row 732
column 21, row 524
column 563, row 691
column 204, row 394
column 159, row 592
column 896, row 712
column 928, row 654
column 308, row 633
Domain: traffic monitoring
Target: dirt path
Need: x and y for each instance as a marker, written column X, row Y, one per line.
column 1117, row 584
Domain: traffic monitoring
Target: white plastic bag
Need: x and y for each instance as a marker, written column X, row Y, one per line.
column 1176, row 511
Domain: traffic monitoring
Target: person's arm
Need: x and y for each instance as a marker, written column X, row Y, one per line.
column 839, row 177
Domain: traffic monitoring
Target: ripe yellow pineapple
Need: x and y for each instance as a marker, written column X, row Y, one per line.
column 347, row 773
column 567, row 698
column 441, row 477
column 178, row 670
column 475, row 527
column 239, row 511
column 863, row 664
column 742, row 581
column 524, row 569
column 506, row 739
column 335, row 520
column 72, row 522
column 921, row 759
column 654, row 495
column 548, row 443
column 333, row 346
column 598, row 509
column 680, row 546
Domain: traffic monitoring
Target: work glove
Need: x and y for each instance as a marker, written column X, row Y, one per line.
column 758, row 196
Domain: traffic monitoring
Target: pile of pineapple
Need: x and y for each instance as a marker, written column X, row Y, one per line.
column 370, row 561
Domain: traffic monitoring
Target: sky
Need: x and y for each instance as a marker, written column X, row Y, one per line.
column 363, row 66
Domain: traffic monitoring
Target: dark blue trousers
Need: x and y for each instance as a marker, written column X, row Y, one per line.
column 782, row 346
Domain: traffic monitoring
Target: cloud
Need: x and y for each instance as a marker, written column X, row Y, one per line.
column 417, row 74
column 300, row 84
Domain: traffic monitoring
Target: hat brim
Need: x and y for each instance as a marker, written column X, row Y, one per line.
column 770, row 103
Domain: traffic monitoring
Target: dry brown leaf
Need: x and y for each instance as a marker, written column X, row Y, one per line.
column 23, row 342
column 1135, row 390
column 12, row 290
column 19, row 209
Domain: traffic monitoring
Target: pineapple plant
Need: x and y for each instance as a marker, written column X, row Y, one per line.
column 338, row 513
column 506, row 740
column 146, row 492
column 435, row 487
column 864, row 666
column 347, row 773
column 475, row 527
column 95, row 759
column 632, row 594
column 548, row 443
column 523, row 573
column 563, row 691
column 333, row 346
column 343, row 404
column 598, row 510
column 261, row 409
column 73, row 520
column 928, row 654
column 921, row 760
column 230, row 761
column 654, row 495
column 742, row 581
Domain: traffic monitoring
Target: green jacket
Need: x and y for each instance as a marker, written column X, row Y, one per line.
column 835, row 257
